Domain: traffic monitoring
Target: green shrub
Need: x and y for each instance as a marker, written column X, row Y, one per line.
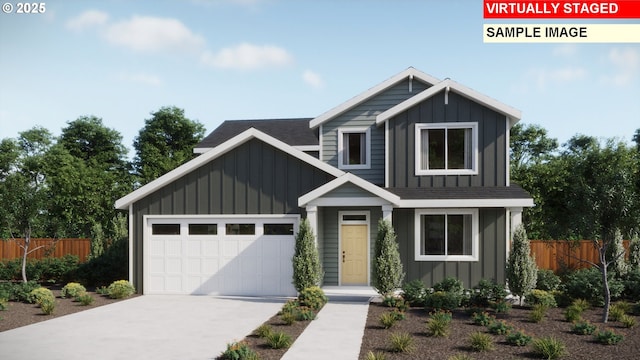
column 616, row 312
column 312, row 297
column 628, row 321
column 518, row 338
column 375, row 356
column 631, row 284
column 538, row 312
column 387, row 266
column 401, row 342
column 485, row 292
column 291, row 306
column 111, row 265
column 72, row 290
column 414, row 292
column 561, row 297
column 278, row 340
column 238, row 351
column 587, row 284
column 547, row 280
column 288, row 318
column 500, row 307
column 441, row 300
column 120, row 289
column 307, row 268
column 85, row 299
column 500, row 327
column 521, row 270
column 451, row 285
column 549, row 348
column 47, row 304
column 480, row 341
column 20, row 291
column 263, row 331
column 388, row 319
column 305, row 314
column 625, row 307
column 391, row 300
column 482, row 318
column 39, row 293
column 583, row 328
column 573, row 313
column 608, row 337
column 541, row 297
column 438, row 324
column 49, row 269
column 581, row 304
column 4, row 304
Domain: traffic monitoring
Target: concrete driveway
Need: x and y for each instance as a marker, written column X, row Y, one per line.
column 146, row 327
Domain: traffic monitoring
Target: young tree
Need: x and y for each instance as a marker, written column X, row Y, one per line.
column 521, row 268
column 307, row 269
column 634, row 253
column 387, row 267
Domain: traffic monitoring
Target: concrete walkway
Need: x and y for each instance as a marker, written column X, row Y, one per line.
column 337, row 332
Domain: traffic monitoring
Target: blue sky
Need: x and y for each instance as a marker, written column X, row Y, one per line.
column 244, row 59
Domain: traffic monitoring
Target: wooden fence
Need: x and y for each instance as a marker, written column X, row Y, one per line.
column 10, row 248
column 560, row 255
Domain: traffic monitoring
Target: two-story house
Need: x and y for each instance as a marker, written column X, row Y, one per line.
column 430, row 155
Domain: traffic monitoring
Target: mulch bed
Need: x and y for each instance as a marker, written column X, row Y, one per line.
column 21, row 314
column 578, row 347
column 260, row 345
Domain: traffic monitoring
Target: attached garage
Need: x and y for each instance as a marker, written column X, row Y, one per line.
column 219, row 255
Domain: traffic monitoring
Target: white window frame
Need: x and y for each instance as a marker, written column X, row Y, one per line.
column 475, row 235
column 456, row 125
column 341, row 147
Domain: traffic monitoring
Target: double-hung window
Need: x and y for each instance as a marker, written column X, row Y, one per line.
column 354, row 148
column 446, row 149
column 446, row 235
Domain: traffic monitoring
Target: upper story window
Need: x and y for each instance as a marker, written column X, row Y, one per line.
column 446, row 149
column 354, row 148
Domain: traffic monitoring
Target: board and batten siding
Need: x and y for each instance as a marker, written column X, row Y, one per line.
column 364, row 115
column 490, row 264
column 492, row 143
column 253, row 178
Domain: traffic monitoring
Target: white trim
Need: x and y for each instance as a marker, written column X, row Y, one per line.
column 131, row 219
column 365, row 222
column 348, row 177
column 370, row 93
column 201, row 150
column 475, row 235
column 507, row 155
column 465, row 203
column 219, row 150
column 367, row 147
column 513, row 115
column 307, row 147
column 386, row 154
column 320, row 143
column 349, row 201
column 455, row 125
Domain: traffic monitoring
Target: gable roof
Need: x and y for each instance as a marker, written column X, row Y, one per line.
column 408, row 73
column 353, row 179
column 513, row 114
column 294, row 132
column 251, row 133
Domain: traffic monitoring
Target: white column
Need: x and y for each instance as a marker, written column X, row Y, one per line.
column 387, row 212
column 312, row 216
column 516, row 218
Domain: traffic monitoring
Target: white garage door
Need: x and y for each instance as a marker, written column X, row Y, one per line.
column 224, row 255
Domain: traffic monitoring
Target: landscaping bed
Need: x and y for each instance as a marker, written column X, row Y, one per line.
column 376, row 338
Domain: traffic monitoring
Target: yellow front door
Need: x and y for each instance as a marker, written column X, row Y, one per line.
column 354, row 254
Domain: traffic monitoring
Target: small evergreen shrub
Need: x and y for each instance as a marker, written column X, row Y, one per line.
column 451, row 285
column 289, row 318
column 561, row 297
column 549, row 348
column 85, row 299
column 279, row 340
column 500, row 307
column 4, row 303
column 573, row 313
column 72, row 290
column 547, row 280
column 120, row 289
column 238, row 351
column 291, row 306
column 518, row 338
column 438, row 324
column 312, row 297
column 401, row 342
column 521, row 269
column 376, row 356
column 482, row 318
column 485, row 292
column 628, row 321
column 541, row 297
column 608, row 337
column 263, row 331
column 39, row 293
column 537, row 314
column 47, row 305
column 583, row 328
column 20, row 291
column 441, row 300
column 391, row 300
column 587, row 284
column 387, row 267
column 414, row 292
column 480, row 341
column 305, row 314
column 307, row 268
column 631, row 284
column 500, row 327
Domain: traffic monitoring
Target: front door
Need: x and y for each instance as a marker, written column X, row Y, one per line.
column 354, row 239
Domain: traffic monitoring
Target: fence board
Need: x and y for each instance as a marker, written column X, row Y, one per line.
column 561, row 255
column 10, row 248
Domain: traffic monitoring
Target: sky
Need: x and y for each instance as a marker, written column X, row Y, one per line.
column 254, row 59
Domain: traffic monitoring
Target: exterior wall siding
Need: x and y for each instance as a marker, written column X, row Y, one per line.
column 364, row 115
column 492, row 255
column 492, row 143
column 254, row 178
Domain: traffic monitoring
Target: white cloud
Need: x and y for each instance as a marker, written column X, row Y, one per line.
column 313, row 79
column 626, row 66
column 247, row 57
column 87, row 19
column 153, row 34
column 141, row 78
column 565, row 50
column 544, row 77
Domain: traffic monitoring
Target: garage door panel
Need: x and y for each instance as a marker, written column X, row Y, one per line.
column 211, row 248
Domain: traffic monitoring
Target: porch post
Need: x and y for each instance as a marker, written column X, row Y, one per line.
column 387, row 211
column 516, row 219
column 312, row 216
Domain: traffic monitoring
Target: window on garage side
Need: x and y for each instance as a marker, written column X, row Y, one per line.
column 240, row 229
column 165, row 229
column 203, row 229
column 278, row 229
column 447, row 235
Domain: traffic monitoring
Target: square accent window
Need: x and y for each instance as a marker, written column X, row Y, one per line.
column 354, row 148
column 165, row 229
column 446, row 235
column 278, row 229
column 240, row 229
column 446, row 148
column 203, row 229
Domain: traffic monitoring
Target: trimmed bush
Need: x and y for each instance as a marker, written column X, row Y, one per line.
column 547, row 280
column 312, row 297
column 541, row 297
column 39, row 293
column 72, row 290
column 485, row 292
column 120, row 289
column 85, row 299
column 451, row 285
column 441, row 300
column 414, row 292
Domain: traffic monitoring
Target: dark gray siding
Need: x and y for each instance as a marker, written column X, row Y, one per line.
column 254, row 178
column 364, row 115
column 492, row 255
column 492, row 143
